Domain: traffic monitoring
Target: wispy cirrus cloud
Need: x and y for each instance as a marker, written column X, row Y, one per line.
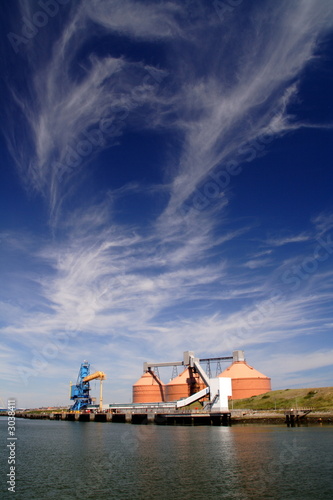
column 257, row 263
column 222, row 112
column 300, row 362
column 75, row 106
column 286, row 240
column 111, row 289
column 186, row 279
column 150, row 21
column 112, row 270
column 323, row 222
column 219, row 108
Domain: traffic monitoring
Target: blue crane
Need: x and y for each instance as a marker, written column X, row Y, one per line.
column 80, row 391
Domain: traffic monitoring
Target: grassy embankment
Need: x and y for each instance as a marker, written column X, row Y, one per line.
column 44, row 411
column 319, row 398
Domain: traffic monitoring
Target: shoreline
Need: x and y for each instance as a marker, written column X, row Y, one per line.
column 236, row 417
column 263, row 417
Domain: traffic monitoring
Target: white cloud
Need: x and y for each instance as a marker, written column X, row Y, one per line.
column 115, row 295
column 219, row 113
column 160, row 290
column 137, row 19
column 285, row 240
column 292, row 364
column 323, row 222
column 258, row 263
column 218, row 117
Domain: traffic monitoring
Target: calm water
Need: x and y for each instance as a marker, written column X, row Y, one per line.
column 68, row 460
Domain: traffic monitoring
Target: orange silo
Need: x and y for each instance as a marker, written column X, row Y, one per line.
column 186, row 384
column 245, row 380
column 148, row 389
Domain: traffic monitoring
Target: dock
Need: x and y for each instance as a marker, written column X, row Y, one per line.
column 141, row 418
column 295, row 415
column 163, row 416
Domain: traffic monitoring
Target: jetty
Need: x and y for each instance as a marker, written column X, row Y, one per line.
column 295, row 415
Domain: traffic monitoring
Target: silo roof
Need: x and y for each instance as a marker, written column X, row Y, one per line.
column 148, row 378
column 184, row 377
column 240, row 369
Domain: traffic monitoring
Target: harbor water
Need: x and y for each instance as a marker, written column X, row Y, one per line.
column 68, row 460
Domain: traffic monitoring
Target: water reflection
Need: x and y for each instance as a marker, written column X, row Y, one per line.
column 188, row 461
column 259, row 460
column 71, row 460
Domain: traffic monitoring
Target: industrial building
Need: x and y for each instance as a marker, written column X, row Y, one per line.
column 186, row 384
column 148, row 389
column 245, row 380
column 194, row 384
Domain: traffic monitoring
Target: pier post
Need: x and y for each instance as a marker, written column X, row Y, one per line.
column 150, row 418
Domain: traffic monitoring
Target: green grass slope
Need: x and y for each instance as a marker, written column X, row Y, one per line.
column 319, row 398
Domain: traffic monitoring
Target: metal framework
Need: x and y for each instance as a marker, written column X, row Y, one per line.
column 218, row 388
column 153, row 366
column 208, row 362
column 80, row 391
column 223, row 358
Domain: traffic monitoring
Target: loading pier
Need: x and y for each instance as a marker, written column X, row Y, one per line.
column 140, row 417
column 295, row 415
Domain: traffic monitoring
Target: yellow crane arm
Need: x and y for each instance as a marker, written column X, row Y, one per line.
column 93, row 376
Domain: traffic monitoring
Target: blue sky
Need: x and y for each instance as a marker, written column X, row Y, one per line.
column 166, row 186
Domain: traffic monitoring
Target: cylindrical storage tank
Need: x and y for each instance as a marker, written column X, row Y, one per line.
column 186, row 384
column 148, row 389
column 245, row 380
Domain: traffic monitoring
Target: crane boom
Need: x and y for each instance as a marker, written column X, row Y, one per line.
column 80, row 391
column 93, row 376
